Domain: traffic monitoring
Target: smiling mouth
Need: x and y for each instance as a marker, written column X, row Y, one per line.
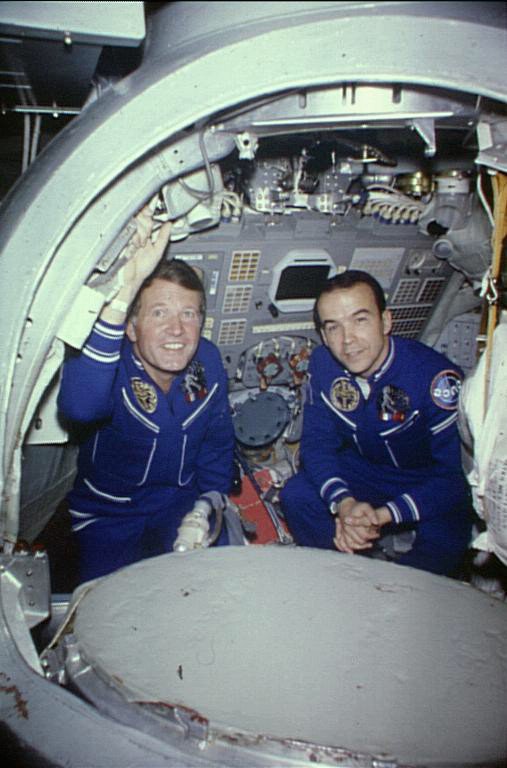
column 174, row 346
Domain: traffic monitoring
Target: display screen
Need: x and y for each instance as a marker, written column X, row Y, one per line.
column 302, row 282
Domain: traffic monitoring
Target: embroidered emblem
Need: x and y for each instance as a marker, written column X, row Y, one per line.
column 194, row 382
column 146, row 394
column 344, row 395
column 445, row 389
column 393, row 404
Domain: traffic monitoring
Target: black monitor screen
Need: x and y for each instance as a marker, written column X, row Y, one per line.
column 304, row 282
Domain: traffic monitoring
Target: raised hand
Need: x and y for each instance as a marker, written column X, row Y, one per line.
column 143, row 255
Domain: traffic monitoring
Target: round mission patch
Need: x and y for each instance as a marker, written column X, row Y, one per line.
column 445, row 389
column 344, row 395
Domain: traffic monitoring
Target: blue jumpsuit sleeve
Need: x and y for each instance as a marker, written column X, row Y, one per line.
column 445, row 487
column 86, row 387
column 321, row 443
column 216, row 456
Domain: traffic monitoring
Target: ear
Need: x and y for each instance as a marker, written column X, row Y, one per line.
column 387, row 321
column 131, row 331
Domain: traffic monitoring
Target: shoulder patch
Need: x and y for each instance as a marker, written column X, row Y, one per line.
column 445, row 389
column 194, row 382
column 344, row 394
column 146, row 394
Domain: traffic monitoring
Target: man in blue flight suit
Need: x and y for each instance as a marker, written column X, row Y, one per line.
column 380, row 451
column 153, row 396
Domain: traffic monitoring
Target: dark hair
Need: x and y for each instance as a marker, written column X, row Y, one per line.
column 173, row 271
column 349, row 279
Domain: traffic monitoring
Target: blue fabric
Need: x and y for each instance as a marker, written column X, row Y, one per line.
column 405, row 455
column 439, row 545
column 147, row 455
column 114, row 542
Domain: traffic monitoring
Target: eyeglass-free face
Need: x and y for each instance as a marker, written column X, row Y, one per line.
column 354, row 329
column 166, row 331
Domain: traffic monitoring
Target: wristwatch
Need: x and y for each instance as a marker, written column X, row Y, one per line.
column 334, row 508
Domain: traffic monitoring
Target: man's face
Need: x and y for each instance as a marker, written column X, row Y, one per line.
column 354, row 329
column 166, row 331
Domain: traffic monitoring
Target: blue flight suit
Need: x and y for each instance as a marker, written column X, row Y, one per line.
column 395, row 445
column 147, row 455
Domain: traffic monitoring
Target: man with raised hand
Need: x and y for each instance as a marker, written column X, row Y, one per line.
column 150, row 394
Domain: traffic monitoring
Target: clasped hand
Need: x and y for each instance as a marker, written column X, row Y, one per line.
column 358, row 525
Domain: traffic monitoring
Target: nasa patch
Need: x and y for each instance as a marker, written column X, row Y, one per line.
column 445, row 389
column 344, row 395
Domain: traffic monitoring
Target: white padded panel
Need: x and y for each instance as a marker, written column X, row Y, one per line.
column 298, row 643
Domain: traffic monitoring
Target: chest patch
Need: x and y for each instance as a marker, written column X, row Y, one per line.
column 194, row 383
column 393, row 404
column 445, row 389
column 145, row 393
column 344, row 394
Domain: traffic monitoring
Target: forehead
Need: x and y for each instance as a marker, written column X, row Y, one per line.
column 346, row 301
column 164, row 292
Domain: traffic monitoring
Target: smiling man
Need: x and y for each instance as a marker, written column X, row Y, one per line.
column 151, row 397
column 380, row 451
column 165, row 323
